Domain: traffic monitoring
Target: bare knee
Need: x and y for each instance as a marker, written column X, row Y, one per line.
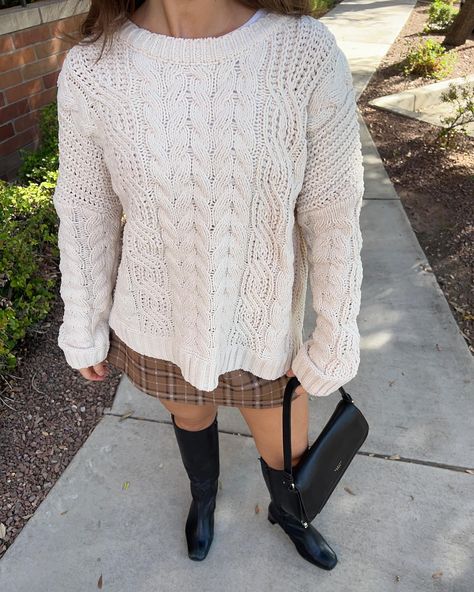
column 191, row 417
column 194, row 424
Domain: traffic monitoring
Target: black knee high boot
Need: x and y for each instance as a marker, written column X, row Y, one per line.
column 308, row 541
column 200, row 455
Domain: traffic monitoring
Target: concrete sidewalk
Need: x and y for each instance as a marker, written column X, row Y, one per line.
column 405, row 520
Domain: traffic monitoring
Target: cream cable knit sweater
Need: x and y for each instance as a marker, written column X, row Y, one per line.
column 236, row 164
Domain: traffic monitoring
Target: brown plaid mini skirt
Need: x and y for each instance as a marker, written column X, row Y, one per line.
column 163, row 379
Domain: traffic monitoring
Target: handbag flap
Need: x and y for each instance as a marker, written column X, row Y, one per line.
column 323, row 464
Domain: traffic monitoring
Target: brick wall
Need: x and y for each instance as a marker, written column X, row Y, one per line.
column 30, row 60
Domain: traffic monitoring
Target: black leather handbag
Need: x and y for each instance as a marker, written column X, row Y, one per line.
column 325, row 461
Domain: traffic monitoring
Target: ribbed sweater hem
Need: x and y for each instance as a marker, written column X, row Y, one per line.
column 202, row 373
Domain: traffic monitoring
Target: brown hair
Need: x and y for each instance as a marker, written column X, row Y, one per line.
column 106, row 16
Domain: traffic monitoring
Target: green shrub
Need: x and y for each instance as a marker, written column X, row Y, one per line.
column 36, row 165
column 429, row 59
column 440, row 16
column 28, row 246
column 462, row 97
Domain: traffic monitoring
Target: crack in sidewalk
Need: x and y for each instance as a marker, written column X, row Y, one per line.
column 391, row 457
column 417, row 461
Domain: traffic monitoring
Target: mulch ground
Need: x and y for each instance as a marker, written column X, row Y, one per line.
column 436, row 186
column 47, row 410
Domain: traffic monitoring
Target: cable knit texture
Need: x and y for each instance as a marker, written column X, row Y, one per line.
column 200, row 180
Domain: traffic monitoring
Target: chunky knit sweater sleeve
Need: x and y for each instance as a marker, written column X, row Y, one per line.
column 327, row 210
column 89, row 227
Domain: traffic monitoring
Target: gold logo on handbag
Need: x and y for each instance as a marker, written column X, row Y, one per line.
column 339, row 464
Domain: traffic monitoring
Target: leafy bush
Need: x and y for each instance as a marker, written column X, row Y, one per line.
column 429, row 59
column 37, row 165
column 28, row 246
column 440, row 16
column 462, row 98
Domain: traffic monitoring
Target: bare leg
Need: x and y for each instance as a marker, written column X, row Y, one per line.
column 191, row 417
column 266, row 428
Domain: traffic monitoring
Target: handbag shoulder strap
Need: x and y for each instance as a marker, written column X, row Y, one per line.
column 290, row 388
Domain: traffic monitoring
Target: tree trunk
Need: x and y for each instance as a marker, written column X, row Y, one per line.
column 462, row 25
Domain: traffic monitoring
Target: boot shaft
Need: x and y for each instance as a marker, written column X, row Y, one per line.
column 281, row 494
column 199, row 452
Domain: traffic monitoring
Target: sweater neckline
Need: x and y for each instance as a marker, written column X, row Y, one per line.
column 199, row 49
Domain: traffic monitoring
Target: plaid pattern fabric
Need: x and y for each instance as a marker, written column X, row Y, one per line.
column 163, row 379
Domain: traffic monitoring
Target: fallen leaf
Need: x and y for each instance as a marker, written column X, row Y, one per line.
column 394, row 457
column 437, row 574
column 99, row 583
column 125, row 415
column 125, row 485
column 349, row 490
column 257, row 509
column 3, row 530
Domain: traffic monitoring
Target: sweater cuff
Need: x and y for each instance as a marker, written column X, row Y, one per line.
column 83, row 358
column 311, row 378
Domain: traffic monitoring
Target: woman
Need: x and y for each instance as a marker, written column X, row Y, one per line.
column 226, row 134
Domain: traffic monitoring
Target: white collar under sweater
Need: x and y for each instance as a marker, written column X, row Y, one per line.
column 236, row 161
